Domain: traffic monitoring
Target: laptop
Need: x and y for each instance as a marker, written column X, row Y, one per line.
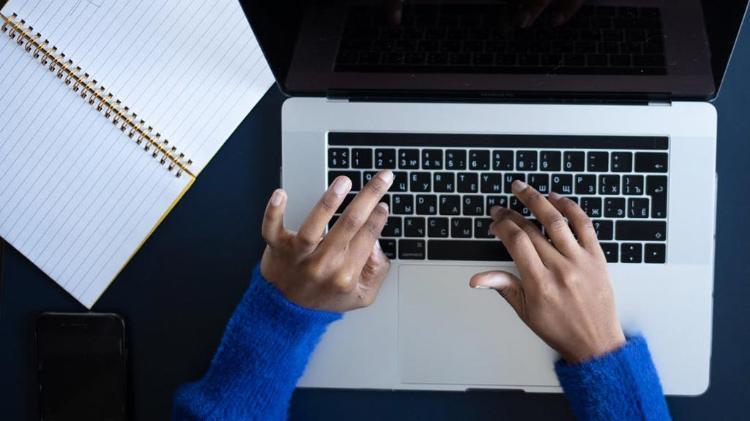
column 611, row 108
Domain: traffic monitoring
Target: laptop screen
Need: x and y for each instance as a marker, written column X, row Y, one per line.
column 495, row 50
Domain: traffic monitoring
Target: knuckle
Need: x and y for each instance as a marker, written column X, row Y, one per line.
column 373, row 228
column 556, row 223
column 328, row 203
column 534, row 197
column 342, row 283
column 516, row 238
column 351, row 221
column 377, row 186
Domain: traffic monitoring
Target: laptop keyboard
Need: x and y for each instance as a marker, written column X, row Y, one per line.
column 478, row 38
column 446, row 184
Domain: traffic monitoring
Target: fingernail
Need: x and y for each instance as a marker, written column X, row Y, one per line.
column 481, row 287
column 376, row 246
column 558, row 20
column 386, row 176
column 384, row 206
column 518, row 186
column 341, row 185
column 495, row 209
column 277, row 197
column 554, row 196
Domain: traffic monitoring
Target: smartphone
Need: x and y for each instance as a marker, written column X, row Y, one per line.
column 81, row 366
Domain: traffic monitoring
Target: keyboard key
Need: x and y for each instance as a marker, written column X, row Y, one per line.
column 656, row 187
column 491, row 182
column 361, row 158
column 481, row 228
column 540, row 182
column 408, row 159
column 426, row 204
column 631, row 252
column 655, row 253
column 609, row 184
column 509, row 178
column 393, row 227
column 650, row 162
column 502, row 160
column 592, row 206
column 597, row 161
column 414, row 227
column 493, row 251
column 492, row 201
column 455, row 159
column 432, row 159
column 461, row 227
column 388, row 247
column 585, row 184
column 573, row 161
column 400, row 181
column 468, row 182
column 473, row 205
column 549, row 161
column 562, row 184
column 614, row 207
column 450, row 204
column 518, row 206
column 420, row 181
column 411, row 249
column 444, row 182
column 526, row 160
column 632, row 185
column 338, row 158
column 347, row 199
column 611, row 252
column 386, row 198
column 641, row 230
column 479, row 160
column 621, row 162
column 638, row 208
column 354, row 176
column 385, row 159
column 403, row 204
column 604, row 229
column 437, row 227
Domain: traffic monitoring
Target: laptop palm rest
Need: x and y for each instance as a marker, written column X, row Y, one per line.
column 449, row 333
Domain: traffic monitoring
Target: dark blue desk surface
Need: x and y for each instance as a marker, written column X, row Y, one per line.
column 180, row 289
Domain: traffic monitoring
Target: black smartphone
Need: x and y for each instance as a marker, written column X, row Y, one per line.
column 81, row 366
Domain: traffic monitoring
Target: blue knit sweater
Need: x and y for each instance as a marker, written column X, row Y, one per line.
column 268, row 342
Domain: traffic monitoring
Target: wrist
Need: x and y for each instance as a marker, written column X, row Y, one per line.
column 596, row 349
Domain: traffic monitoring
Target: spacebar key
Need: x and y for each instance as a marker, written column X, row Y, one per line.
column 467, row 250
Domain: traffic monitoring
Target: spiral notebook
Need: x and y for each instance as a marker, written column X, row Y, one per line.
column 108, row 111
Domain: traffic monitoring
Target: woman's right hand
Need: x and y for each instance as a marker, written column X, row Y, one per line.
column 564, row 293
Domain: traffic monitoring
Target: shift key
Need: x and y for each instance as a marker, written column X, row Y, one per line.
column 641, row 230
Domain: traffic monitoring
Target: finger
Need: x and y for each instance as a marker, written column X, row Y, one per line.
column 393, row 11
column 373, row 274
column 272, row 228
column 520, row 248
column 554, row 223
column 311, row 230
column 578, row 219
column 564, row 10
column 361, row 245
column 546, row 251
column 506, row 284
column 530, row 11
column 358, row 211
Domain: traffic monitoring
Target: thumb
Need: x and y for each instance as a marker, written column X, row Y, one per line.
column 506, row 284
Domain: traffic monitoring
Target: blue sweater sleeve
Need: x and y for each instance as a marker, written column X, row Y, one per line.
column 263, row 353
column 621, row 385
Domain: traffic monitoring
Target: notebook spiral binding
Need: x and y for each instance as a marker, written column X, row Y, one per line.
column 96, row 94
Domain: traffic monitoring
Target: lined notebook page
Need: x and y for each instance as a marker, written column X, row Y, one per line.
column 191, row 69
column 77, row 197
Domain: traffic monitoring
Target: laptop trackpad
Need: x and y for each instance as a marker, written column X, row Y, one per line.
column 452, row 334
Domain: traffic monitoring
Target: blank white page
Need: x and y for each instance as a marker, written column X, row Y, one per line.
column 77, row 196
column 191, row 69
